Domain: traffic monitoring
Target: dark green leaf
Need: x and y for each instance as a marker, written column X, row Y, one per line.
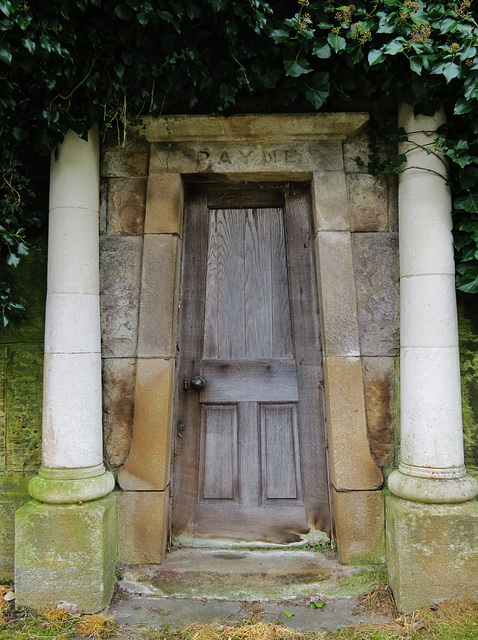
column 416, row 64
column 462, row 106
column 316, row 97
column 29, row 45
column 468, row 202
column 336, row 42
column 468, row 176
column 451, row 71
column 375, row 56
column 296, row 68
column 322, row 50
column 19, row 134
column 280, row 35
column 394, row 47
column 468, row 282
column 5, row 53
column 12, row 260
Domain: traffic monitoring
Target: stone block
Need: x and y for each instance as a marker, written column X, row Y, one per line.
column 148, row 465
column 379, row 375
column 432, row 552
column 126, row 205
column 24, row 418
column 294, row 160
column 375, row 258
column 13, row 493
column 158, row 311
column 119, row 375
column 125, row 161
column 73, row 250
column 164, row 205
column 368, row 198
column 351, row 464
column 359, row 526
column 66, row 552
column 337, row 293
column 330, row 204
column 120, row 269
column 357, row 151
column 143, row 526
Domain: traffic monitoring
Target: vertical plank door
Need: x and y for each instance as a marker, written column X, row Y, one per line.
column 250, row 460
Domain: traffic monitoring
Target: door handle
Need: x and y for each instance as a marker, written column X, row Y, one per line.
column 198, row 383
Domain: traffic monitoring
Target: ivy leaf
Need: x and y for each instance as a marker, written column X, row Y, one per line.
column 29, row 45
column 468, row 282
column 5, row 7
column 468, row 202
column 468, row 176
column 336, row 42
column 296, row 68
column 447, row 25
column 416, row 64
column 270, row 78
column 5, row 53
column 280, row 35
column 19, row 134
column 287, row 613
column 123, row 11
column 317, row 97
column 322, row 50
column 450, row 71
column 394, row 47
column 12, row 260
column 462, row 106
column 375, row 56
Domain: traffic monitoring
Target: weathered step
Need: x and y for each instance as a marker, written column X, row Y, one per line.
column 249, row 575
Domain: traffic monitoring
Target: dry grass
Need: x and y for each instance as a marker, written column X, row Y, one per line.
column 248, row 631
column 379, row 601
column 96, row 627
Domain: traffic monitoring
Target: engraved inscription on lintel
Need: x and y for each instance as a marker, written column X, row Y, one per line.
column 255, row 156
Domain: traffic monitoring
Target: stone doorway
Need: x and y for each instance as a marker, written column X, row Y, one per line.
column 355, row 237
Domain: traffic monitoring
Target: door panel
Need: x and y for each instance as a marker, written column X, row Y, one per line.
column 250, row 462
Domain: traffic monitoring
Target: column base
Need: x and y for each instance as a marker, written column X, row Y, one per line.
column 66, row 553
column 431, row 490
column 432, row 552
column 68, row 486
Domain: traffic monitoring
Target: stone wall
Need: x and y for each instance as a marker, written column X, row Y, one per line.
column 21, row 378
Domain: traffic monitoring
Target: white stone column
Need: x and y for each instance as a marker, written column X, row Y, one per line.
column 72, row 449
column 431, row 459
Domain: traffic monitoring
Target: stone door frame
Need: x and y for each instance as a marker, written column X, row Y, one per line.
column 249, row 148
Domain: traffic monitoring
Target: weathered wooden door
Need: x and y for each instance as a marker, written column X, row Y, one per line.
column 250, row 456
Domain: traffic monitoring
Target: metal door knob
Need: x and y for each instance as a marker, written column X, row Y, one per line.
column 198, row 383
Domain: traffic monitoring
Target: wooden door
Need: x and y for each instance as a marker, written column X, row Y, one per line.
column 250, row 456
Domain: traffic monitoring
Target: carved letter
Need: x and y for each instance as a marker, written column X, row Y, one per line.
column 225, row 157
column 203, row 155
column 269, row 156
column 246, row 155
column 290, row 155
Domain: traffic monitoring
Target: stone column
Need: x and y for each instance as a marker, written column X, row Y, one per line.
column 65, row 545
column 431, row 521
column 431, row 459
column 72, row 449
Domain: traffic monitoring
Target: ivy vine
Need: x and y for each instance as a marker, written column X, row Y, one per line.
column 69, row 64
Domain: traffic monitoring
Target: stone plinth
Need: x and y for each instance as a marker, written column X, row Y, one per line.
column 432, row 552
column 66, row 552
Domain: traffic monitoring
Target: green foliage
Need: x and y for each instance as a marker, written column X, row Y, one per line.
column 68, row 64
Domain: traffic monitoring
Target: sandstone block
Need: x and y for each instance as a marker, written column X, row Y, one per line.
column 330, row 204
column 368, row 197
column 120, row 269
column 351, row 465
column 157, row 317
column 380, row 402
column 143, row 526
column 66, row 552
column 126, row 205
column 125, row 161
column 164, row 206
column 119, row 376
column 337, row 289
column 432, row 552
column 359, row 525
column 148, row 464
column 375, row 257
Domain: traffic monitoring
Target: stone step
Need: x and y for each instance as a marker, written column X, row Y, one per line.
column 250, row 575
